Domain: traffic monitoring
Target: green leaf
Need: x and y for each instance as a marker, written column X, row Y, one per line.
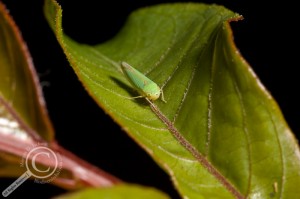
column 117, row 192
column 220, row 134
column 20, row 92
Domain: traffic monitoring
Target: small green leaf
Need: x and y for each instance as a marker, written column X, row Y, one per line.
column 117, row 192
column 220, row 134
column 19, row 86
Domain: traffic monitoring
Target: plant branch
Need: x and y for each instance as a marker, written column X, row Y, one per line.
column 83, row 173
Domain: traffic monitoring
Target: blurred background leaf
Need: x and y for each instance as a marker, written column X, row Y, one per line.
column 125, row 191
column 24, row 123
column 23, row 117
column 19, row 84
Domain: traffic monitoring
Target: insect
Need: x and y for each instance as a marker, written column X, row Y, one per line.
column 145, row 86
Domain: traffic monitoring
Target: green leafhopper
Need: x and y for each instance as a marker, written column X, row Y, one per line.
column 145, row 86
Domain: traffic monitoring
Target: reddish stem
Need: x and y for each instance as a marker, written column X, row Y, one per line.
column 83, row 173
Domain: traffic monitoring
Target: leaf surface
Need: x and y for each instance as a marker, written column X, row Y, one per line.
column 220, row 134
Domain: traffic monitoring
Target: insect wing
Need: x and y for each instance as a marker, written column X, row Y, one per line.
column 136, row 78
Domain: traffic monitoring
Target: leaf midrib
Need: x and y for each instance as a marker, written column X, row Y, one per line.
column 198, row 156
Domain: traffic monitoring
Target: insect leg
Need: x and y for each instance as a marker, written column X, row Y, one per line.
column 162, row 96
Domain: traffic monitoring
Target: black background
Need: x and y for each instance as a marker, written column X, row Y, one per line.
column 267, row 38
